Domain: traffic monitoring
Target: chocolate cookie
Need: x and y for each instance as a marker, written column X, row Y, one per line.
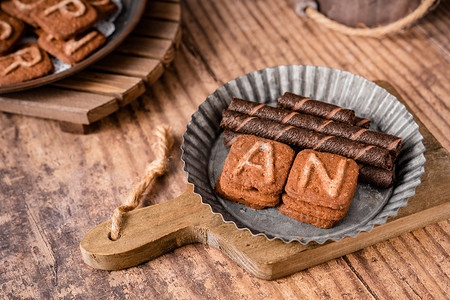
column 66, row 18
column 11, row 29
column 257, row 163
column 26, row 63
column 255, row 171
column 323, row 179
column 104, row 8
column 22, row 9
column 73, row 50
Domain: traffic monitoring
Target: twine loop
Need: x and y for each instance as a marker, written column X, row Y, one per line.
column 155, row 169
column 309, row 8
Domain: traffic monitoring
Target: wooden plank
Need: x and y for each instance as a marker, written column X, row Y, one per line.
column 124, row 88
column 186, row 220
column 141, row 67
column 163, row 10
column 265, row 259
column 75, row 128
column 157, row 29
column 146, row 47
column 59, row 104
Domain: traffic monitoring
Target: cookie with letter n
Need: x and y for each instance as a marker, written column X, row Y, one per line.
column 319, row 188
column 255, row 171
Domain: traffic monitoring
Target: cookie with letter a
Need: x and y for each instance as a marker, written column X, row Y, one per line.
column 255, row 171
column 26, row 63
column 319, row 188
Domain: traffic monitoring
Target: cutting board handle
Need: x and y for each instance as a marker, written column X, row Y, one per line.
column 149, row 232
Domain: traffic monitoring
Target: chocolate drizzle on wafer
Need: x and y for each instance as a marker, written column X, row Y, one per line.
column 316, row 108
column 305, row 138
column 327, row 127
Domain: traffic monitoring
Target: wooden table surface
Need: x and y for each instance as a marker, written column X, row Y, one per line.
column 56, row 186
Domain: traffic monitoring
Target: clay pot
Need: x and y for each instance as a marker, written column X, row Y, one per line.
column 366, row 13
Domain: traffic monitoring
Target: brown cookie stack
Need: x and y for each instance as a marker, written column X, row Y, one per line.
column 64, row 29
column 255, row 172
column 319, row 188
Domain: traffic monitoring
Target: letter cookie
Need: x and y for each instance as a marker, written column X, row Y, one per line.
column 11, row 30
column 255, row 172
column 26, row 63
column 65, row 19
column 319, row 188
column 73, row 50
column 104, row 7
column 21, row 9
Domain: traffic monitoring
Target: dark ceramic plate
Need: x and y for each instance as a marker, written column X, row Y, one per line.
column 126, row 21
column 204, row 153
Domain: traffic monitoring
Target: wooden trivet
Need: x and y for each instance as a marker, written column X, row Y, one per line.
column 113, row 82
column 149, row 232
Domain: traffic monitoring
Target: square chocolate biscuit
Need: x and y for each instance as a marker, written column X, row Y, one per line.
column 22, row 9
column 26, row 63
column 73, row 50
column 104, row 8
column 259, row 164
column 11, row 30
column 66, row 18
column 323, row 179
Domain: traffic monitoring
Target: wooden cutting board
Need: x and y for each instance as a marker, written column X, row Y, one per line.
column 153, row 231
column 120, row 78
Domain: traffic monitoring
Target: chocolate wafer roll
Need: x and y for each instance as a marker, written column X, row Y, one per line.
column 376, row 176
column 362, row 122
column 317, row 108
column 379, row 177
column 367, row 154
column 328, row 127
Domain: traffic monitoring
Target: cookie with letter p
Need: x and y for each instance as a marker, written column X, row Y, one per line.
column 28, row 62
column 64, row 19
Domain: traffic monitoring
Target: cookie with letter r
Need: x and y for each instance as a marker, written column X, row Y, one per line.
column 11, row 29
column 64, row 19
column 255, row 171
column 27, row 63
column 22, row 9
column 104, row 8
column 73, row 50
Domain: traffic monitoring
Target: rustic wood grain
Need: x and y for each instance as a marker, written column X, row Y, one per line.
column 146, row 68
column 55, row 187
column 156, row 230
column 124, row 88
column 153, row 48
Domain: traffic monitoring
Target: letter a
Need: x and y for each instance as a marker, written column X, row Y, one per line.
column 267, row 167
